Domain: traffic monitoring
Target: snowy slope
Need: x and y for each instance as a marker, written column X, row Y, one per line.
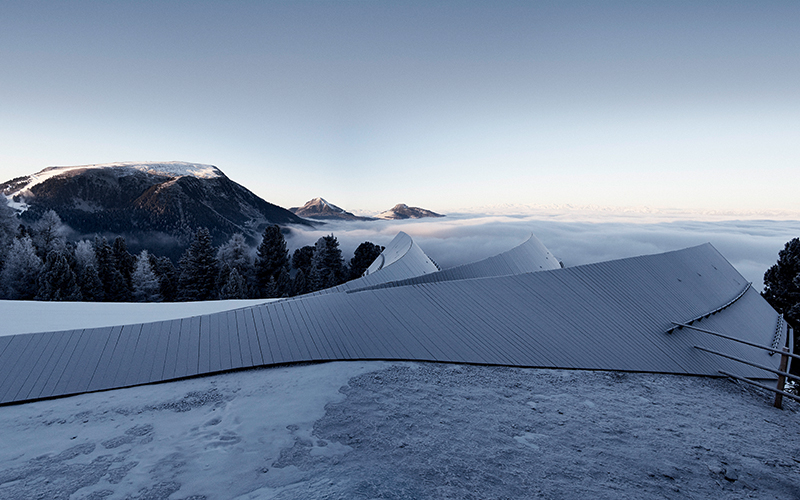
column 155, row 205
column 167, row 169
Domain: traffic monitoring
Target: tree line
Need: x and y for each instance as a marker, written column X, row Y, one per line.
column 38, row 263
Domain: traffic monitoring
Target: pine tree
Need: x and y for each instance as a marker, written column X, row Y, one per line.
column 144, row 282
column 301, row 259
column 363, row 257
column 115, row 287
column 56, row 280
column 317, row 272
column 198, row 269
column 125, row 262
column 21, row 270
column 782, row 282
column 272, row 258
column 283, row 283
column 234, row 286
column 90, row 285
column 167, row 277
column 299, row 285
column 782, row 287
column 327, row 264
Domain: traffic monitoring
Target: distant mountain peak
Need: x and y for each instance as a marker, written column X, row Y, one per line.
column 403, row 211
column 319, row 208
column 323, row 203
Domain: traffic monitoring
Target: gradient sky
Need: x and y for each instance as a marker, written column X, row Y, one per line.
column 444, row 105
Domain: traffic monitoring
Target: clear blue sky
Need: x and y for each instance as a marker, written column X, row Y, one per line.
column 692, row 105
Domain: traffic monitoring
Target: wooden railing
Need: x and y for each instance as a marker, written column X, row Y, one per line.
column 782, row 372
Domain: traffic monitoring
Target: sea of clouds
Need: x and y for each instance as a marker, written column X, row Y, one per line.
column 752, row 246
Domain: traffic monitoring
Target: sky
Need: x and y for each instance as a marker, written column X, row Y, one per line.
column 445, row 105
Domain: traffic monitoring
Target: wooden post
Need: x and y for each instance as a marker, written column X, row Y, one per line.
column 781, row 379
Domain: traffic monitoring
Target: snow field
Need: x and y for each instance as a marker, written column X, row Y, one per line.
column 364, row 430
column 209, row 438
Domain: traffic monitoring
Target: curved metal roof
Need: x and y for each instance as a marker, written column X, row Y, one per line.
column 611, row 316
column 529, row 256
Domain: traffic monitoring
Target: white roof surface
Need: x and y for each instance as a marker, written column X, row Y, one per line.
column 608, row 316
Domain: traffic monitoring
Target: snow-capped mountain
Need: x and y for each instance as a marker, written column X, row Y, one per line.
column 319, row 208
column 145, row 202
column 402, row 211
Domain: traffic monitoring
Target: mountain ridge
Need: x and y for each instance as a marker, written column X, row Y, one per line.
column 320, row 208
column 146, row 201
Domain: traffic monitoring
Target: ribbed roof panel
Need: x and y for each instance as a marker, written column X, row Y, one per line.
column 611, row 316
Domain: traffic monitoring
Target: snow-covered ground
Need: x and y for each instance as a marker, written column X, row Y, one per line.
column 19, row 316
column 363, row 430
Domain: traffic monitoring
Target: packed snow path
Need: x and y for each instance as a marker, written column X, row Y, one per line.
column 606, row 316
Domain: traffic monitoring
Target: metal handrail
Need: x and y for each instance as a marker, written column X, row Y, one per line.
column 766, row 348
column 763, row 367
column 747, row 380
column 715, row 311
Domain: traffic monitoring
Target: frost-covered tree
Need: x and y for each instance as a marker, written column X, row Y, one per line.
column 198, row 269
column 144, row 282
column 84, row 255
column 236, row 254
column 48, row 233
column 272, row 259
column 363, row 257
column 327, row 264
column 86, row 272
column 21, row 270
column 8, row 227
column 56, row 280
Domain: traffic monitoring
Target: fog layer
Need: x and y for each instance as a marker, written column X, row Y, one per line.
column 751, row 246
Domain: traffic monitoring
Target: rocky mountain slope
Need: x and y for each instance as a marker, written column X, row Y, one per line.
column 147, row 203
column 402, row 211
column 319, row 208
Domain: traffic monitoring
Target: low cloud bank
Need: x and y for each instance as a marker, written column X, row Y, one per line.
column 751, row 246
